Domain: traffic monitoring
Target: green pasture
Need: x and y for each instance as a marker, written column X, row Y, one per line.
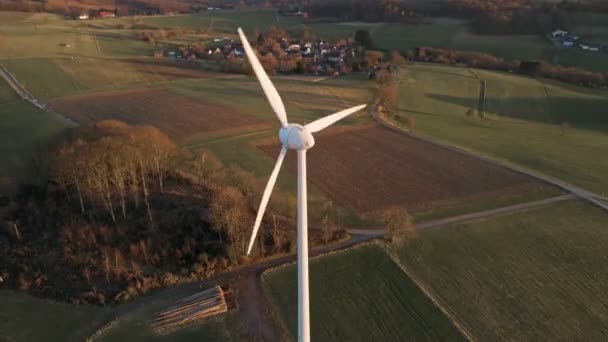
column 523, row 123
column 24, row 130
column 534, row 276
column 359, row 295
column 26, row 318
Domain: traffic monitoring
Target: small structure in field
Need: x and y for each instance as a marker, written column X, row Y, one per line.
column 191, row 310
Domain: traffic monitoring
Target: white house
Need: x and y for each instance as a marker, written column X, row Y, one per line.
column 559, row 33
column 568, row 43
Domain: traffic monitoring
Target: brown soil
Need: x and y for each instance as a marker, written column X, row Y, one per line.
column 181, row 117
column 370, row 168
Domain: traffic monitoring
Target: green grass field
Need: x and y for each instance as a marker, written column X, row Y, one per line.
column 24, row 130
column 134, row 325
column 361, row 295
column 539, row 275
column 524, row 120
column 26, row 318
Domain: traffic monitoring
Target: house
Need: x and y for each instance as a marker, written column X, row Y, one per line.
column 83, row 16
column 237, row 50
column 335, row 57
column 107, row 14
column 594, row 47
column 568, row 43
column 558, row 33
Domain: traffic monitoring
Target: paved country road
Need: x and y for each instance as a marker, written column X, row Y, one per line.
column 579, row 192
column 244, row 275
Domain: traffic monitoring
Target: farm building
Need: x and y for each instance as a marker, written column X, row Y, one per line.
column 559, row 33
column 107, row 14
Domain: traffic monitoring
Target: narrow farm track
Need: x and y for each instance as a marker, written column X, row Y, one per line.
column 257, row 319
column 25, row 95
column 579, row 192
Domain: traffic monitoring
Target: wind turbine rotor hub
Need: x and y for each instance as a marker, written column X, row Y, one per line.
column 296, row 137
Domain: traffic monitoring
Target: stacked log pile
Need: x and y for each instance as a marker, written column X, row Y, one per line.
column 193, row 309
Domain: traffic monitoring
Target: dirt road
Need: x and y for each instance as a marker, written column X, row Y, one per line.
column 25, row 95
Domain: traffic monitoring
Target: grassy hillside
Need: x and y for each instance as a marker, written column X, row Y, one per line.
column 523, row 124
column 360, row 295
column 539, row 275
column 134, row 325
column 26, row 318
column 24, row 129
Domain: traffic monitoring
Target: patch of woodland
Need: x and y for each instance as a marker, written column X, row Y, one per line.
column 479, row 60
column 115, row 216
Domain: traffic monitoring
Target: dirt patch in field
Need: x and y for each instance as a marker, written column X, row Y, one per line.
column 370, row 168
column 183, row 118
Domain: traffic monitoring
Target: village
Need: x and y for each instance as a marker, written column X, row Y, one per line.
column 281, row 55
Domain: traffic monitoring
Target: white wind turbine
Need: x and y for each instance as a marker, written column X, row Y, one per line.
column 299, row 138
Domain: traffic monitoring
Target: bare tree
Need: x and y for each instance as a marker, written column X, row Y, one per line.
column 399, row 225
column 564, row 127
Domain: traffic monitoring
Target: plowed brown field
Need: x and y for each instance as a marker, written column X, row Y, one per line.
column 181, row 117
column 369, row 168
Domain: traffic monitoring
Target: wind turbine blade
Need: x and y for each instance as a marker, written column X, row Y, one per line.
column 266, row 197
column 271, row 92
column 324, row 122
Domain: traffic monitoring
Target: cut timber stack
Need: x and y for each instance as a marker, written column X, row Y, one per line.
column 214, row 301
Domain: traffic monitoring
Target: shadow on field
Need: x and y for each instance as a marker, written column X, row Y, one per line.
column 579, row 112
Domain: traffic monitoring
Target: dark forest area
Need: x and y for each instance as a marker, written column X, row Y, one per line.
column 113, row 218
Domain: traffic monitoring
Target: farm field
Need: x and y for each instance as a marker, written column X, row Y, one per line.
column 538, row 275
column 24, row 129
column 181, row 117
column 416, row 175
column 523, row 124
column 382, row 303
column 226, row 21
column 44, row 35
column 49, row 78
column 26, row 318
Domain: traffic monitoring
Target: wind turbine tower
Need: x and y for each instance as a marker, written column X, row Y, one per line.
column 299, row 138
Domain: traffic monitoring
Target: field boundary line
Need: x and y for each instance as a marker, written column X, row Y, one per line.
column 436, row 300
column 97, row 45
column 580, row 192
column 482, row 98
column 27, row 96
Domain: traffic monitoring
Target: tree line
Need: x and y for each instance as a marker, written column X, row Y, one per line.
column 572, row 75
column 122, row 210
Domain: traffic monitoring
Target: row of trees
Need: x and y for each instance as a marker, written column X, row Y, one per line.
column 486, row 61
column 487, row 16
column 72, row 8
column 113, row 163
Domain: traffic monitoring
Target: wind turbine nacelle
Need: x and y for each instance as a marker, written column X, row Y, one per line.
column 296, row 137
